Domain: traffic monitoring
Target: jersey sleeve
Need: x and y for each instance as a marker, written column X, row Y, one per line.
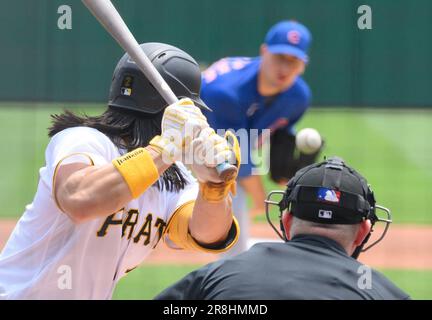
column 302, row 104
column 77, row 145
column 225, row 114
column 246, row 167
column 291, row 126
column 224, row 102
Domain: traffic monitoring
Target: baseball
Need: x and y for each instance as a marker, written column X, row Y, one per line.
column 308, row 140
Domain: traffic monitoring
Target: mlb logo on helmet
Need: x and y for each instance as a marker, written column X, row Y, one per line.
column 126, row 88
column 328, row 195
column 126, row 91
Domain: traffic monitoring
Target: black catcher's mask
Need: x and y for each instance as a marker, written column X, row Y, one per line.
column 329, row 192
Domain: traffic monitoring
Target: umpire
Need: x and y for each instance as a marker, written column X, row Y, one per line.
column 327, row 214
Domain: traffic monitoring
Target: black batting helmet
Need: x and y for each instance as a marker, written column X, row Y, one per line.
column 330, row 192
column 131, row 90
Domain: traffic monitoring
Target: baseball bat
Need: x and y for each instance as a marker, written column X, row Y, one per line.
column 108, row 16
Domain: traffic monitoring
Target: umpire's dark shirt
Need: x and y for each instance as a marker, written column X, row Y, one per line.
column 307, row 267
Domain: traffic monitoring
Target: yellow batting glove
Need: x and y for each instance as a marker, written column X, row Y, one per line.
column 211, row 150
column 181, row 123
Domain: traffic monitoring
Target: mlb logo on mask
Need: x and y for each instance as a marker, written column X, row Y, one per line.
column 328, row 195
column 325, row 214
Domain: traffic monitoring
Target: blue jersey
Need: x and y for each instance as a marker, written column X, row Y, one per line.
column 229, row 87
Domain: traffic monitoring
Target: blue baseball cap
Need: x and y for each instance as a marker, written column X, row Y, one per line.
column 289, row 37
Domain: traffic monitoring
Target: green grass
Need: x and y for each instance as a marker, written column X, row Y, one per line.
column 147, row 281
column 23, row 139
column 416, row 283
column 391, row 148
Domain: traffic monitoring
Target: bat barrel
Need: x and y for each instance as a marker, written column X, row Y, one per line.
column 107, row 15
column 110, row 19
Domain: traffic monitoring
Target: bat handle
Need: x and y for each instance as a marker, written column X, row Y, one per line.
column 226, row 171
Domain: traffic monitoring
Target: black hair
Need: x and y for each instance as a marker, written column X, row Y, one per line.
column 128, row 130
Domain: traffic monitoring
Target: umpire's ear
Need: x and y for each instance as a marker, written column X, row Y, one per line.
column 287, row 218
column 363, row 230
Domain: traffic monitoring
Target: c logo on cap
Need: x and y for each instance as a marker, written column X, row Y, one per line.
column 293, row 37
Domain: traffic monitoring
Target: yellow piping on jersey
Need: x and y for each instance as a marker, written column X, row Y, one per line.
column 55, row 174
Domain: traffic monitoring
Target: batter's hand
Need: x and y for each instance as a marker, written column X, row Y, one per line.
column 181, row 124
column 209, row 150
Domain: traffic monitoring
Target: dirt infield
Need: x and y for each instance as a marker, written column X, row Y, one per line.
column 404, row 247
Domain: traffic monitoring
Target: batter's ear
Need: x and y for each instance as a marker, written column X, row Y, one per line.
column 287, row 218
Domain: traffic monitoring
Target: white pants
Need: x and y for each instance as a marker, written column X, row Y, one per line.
column 241, row 212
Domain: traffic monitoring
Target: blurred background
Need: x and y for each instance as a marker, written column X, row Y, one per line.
column 372, row 97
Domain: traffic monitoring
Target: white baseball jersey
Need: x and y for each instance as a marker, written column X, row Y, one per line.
column 50, row 257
